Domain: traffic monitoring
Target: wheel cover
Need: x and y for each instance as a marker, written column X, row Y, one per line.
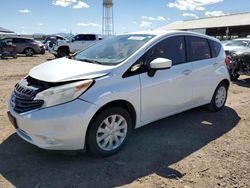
column 220, row 97
column 29, row 52
column 111, row 132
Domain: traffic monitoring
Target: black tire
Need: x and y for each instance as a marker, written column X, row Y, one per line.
column 29, row 52
column 62, row 53
column 93, row 146
column 234, row 76
column 214, row 105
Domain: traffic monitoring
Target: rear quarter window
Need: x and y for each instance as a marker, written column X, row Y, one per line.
column 215, row 48
column 198, row 48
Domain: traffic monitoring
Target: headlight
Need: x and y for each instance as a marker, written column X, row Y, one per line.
column 64, row 93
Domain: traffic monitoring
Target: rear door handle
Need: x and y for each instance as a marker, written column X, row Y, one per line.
column 186, row 72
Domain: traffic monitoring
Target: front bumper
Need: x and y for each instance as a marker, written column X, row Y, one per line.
column 61, row 127
column 42, row 50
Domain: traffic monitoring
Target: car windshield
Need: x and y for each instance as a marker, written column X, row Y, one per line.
column 69, row 38
column 113, row 50
column 237, row 43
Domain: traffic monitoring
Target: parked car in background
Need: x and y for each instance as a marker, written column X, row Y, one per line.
column 7, row 49
column 75, row 43
column 236, row 44
column 94, row 99
column 51, row 40
column 224, row 42
column 27, row 46
column 239, row 63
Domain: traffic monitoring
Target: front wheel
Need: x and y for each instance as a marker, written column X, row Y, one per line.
column 108, row 132
column 62, row 53
column 219, row 98
column 29, row 52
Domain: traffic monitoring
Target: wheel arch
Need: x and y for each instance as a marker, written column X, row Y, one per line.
column 225, row 81
column 117, row 103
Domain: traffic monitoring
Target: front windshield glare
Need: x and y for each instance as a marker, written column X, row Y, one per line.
column 114, row 50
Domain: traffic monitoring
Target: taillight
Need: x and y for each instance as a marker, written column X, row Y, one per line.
column 227, row 60
column 35, row 44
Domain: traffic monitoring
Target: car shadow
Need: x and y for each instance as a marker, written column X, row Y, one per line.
column 150, row 149
column 49, row 59
column 243, row 82
column 23, row 55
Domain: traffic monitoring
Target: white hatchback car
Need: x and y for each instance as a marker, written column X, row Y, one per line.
column 95, row 98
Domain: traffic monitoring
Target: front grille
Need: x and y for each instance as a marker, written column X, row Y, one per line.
column 24, row 92
column 23, row 105
column 23, row 97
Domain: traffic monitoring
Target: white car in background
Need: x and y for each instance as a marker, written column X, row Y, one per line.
column 236, row 44
column 93, row 100
column 75, row 43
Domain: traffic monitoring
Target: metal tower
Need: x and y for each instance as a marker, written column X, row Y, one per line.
column 107, row 19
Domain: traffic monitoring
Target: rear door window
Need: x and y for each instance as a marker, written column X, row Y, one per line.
column 198, row 48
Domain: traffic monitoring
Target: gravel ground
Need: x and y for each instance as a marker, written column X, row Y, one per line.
column 196, row 148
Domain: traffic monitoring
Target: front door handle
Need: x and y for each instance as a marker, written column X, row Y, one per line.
column 186, row 72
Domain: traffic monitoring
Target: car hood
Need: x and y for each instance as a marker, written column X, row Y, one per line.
column 230, row 48
column 64, row 69
column 242, row 50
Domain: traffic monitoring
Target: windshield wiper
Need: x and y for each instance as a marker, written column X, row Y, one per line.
column 91, row 61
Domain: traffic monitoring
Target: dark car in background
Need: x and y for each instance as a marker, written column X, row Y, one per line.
column 7, row 49
column 239, row 63
column 27, row 46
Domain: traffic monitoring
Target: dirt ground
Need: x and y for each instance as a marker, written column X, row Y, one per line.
column 196, row 148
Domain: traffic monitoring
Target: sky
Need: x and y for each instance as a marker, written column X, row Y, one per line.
column 85, row 16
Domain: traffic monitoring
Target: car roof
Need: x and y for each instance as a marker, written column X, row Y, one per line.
column 18, row 38
column 162, row 33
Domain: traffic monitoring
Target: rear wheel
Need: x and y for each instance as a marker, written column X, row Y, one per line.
column 109, row 131
column 219, row 98
column 29, row 52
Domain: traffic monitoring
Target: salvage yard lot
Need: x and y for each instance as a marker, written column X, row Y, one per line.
column 196, row 148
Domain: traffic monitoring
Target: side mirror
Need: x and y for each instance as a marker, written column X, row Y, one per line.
column 73, row 40
column 160, row 63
